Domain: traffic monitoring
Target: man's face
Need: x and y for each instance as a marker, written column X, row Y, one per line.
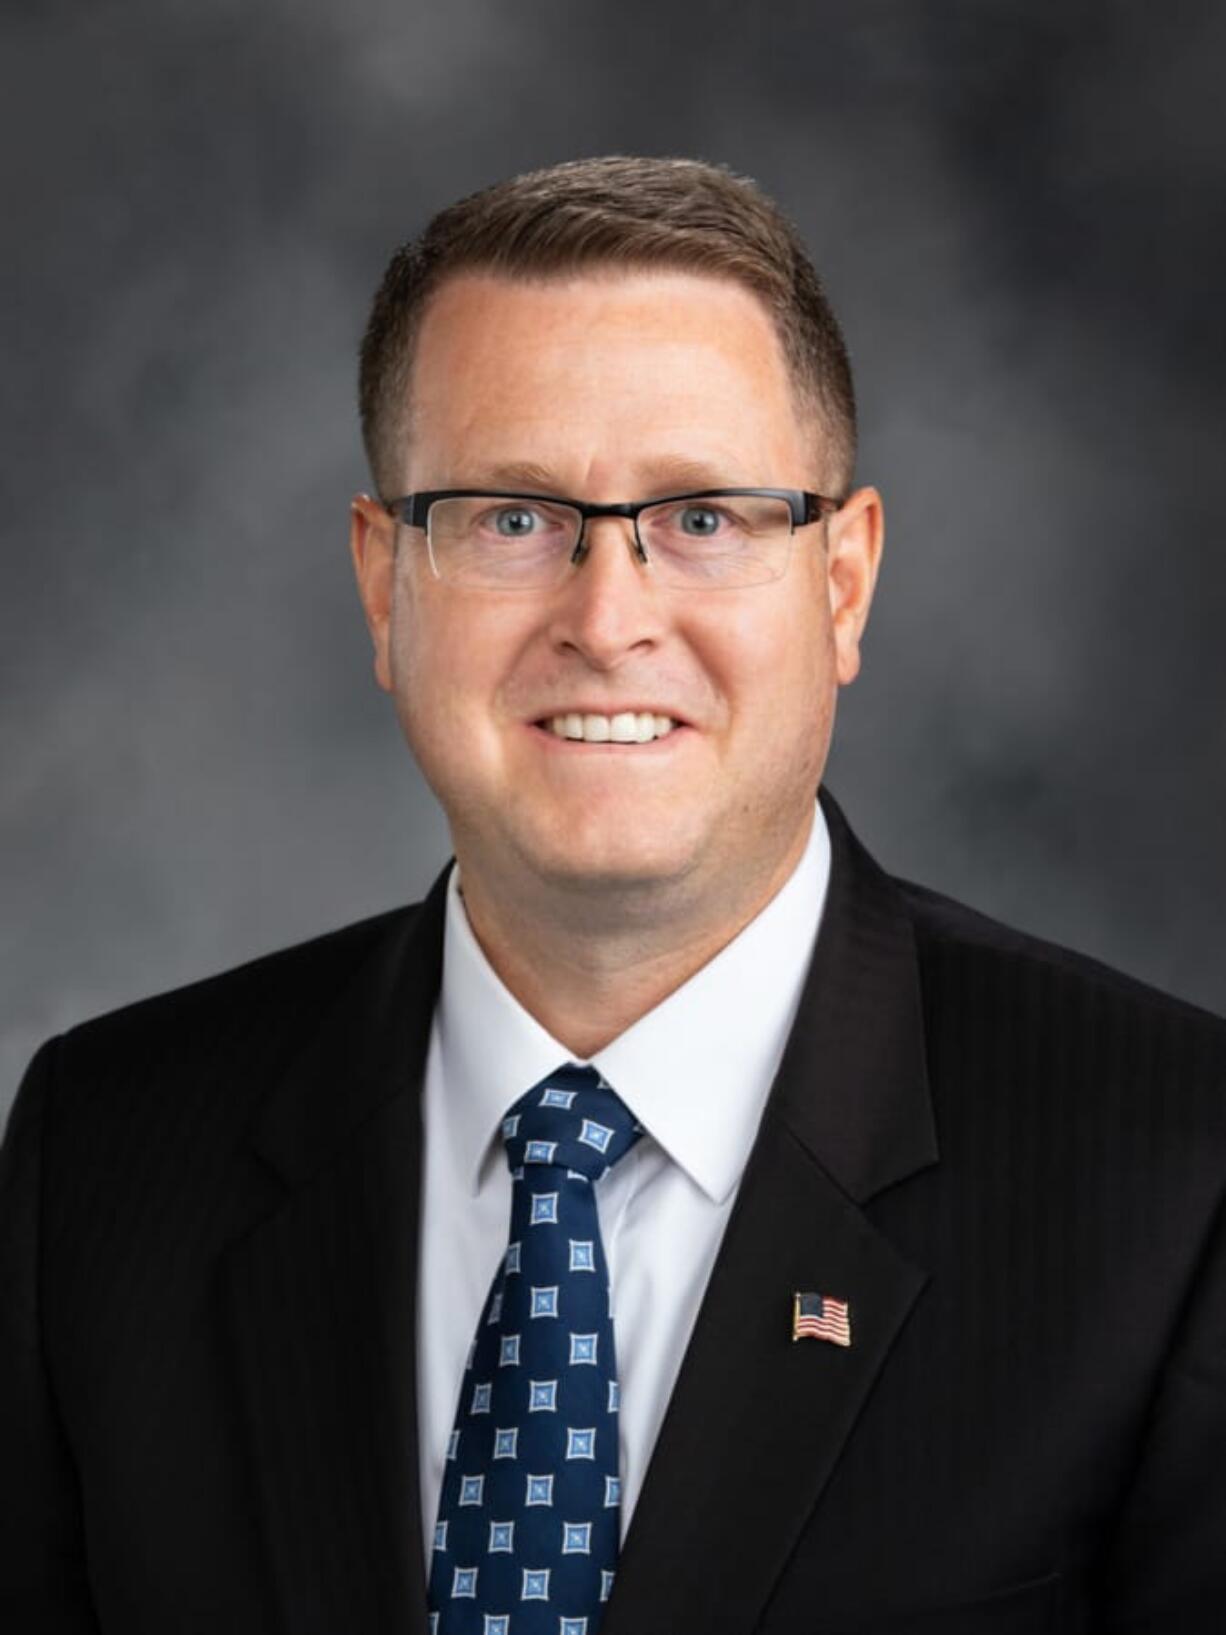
column 613, row 387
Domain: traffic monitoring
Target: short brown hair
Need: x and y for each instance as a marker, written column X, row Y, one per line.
column 615, row 211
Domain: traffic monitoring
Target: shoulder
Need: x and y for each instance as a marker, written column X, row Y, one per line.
column 1056, row 1023
column 250, row 1016
column 952, row 929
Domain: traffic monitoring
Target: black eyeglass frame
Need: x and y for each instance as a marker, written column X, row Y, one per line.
column 805, row 507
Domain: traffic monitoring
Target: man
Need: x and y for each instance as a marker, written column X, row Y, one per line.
column 866, row 1266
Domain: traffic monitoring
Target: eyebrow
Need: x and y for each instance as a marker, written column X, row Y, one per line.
column 664, row 474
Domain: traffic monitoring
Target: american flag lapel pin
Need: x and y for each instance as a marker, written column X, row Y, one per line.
column 820, row 1317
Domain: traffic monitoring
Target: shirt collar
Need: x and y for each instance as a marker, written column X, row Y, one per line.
column 695, row 1070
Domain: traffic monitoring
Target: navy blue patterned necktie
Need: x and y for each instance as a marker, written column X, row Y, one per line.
column 527, row 1533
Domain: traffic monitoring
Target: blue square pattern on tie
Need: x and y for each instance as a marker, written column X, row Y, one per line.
column 542, row 1396
column 583, row 1348
column 544, row 1209
column 528, row 1521
column 545, row 1301
column 506, row 1442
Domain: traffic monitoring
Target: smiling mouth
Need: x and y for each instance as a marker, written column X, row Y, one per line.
column 626, row 727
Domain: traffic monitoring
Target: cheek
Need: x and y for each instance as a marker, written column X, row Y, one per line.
column 449, row 664
column 423, row 685
column 777, row 659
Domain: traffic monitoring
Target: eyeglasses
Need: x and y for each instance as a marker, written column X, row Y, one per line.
column 721, row 539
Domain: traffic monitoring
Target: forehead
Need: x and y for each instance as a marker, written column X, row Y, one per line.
column 598, row 365
column 633, row 303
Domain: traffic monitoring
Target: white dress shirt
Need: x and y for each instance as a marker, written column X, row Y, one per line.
column 695, row 1071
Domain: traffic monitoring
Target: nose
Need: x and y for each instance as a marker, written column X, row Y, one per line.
column 608, row 604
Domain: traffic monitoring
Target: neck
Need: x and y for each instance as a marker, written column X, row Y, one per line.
column 587, row 978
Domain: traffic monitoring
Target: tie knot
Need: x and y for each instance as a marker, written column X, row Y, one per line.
column 571, row 1119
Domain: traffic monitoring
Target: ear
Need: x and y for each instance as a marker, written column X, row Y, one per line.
column 372, row 546
column 856, row 533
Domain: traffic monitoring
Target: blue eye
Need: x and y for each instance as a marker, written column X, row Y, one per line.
column 515, row 521
column 707, row 517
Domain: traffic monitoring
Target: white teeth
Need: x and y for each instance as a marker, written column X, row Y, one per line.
column 627, row 727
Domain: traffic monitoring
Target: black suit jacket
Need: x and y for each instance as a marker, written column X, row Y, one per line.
column 1008, row 1159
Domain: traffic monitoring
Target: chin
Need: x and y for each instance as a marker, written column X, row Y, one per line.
column 612, row 863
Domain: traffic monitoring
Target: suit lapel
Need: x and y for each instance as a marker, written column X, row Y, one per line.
column 322, row 1289
column 757, row 1421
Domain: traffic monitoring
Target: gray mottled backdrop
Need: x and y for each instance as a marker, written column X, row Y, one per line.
column 1018, row 210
